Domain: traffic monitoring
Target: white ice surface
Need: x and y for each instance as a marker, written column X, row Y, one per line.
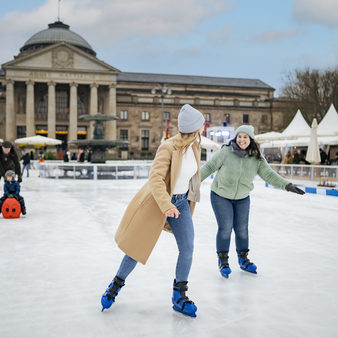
column 57, row 261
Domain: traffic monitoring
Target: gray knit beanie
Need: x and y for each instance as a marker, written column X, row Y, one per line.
column 189, row 119
column 10, row 173
column 247, row 129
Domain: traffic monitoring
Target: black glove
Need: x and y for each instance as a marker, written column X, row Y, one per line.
column 293, row 188
column 19, row 179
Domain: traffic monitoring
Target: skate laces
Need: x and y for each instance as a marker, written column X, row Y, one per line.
column 113, row 291
column 224, row 261
column 245, row 258
column 183, row 297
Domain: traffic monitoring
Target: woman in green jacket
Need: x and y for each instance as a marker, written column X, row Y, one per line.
column 237, row 164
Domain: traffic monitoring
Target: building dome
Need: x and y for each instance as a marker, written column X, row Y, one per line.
column 56, row 32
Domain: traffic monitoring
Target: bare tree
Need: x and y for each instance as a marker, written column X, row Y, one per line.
column 311, row 91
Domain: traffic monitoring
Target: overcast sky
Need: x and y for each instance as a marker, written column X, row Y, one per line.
column 261, row 39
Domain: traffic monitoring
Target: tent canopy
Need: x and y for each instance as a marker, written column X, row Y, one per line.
column 38, row 140
column 272, row 135
column 297, row 127
column 301, row 142
column 206, row 143
column 329, row 124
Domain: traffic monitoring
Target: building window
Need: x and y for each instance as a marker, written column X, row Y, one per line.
column 41, row 130
column 144, row 139
column 124, row 114
column 265, row 118
column 61, row 132
column 81, row 110
column 21, row 131
column 81, row 133
column 43, row 105
column 245, row 118
column 166, row 116
column 207, row 117
column 124, row 134
column 145, row 116
column 226, row 120
column 124, row 137
column 61, row 102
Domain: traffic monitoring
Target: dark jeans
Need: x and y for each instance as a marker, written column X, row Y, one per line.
column 231, row 214
column 27, row 167
column 183, row 230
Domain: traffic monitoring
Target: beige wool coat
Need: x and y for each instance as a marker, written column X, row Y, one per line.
column 144, row 218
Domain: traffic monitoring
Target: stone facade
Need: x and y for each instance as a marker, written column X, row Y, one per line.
column 46, row 90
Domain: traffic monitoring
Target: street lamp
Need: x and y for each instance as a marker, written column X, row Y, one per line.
column 163, row 89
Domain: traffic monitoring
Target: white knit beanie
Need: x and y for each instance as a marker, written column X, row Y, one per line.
column 189, row 119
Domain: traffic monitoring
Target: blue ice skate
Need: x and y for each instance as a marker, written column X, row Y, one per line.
column 108, row 298
column 223, row 264
column 245, row 263
column 181, row 301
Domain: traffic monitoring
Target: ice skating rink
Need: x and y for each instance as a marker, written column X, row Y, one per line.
column 56, row 262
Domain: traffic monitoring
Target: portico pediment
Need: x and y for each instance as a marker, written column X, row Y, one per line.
column 62, row 57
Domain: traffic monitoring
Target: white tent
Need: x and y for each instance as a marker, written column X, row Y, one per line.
column 270, row 136
column 297, row 127
column 38, row 140
column 300, row 142
column 206, row 143
column 328, row 126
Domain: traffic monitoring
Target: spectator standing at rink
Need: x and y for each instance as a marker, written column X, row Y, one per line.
column 9, row 160
column 26, row 162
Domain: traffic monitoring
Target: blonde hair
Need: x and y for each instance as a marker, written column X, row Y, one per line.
column 187, row 139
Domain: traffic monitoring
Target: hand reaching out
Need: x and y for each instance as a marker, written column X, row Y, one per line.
column 292, row 188
column 173, row 212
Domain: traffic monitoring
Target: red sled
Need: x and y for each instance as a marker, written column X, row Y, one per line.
column 11, row 208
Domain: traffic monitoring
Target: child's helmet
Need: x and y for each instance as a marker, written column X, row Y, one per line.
column 10, row 173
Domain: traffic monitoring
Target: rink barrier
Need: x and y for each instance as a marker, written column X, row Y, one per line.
column 89, row 171
column 313, row 190
column 303, row 172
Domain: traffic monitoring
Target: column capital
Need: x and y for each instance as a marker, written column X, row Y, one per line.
column 30, row 82
column 94, row 85
column 112, row 86
column 9, row 81
column 51, row 83
column 73, row 84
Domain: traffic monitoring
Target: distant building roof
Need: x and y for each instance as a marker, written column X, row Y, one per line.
column 192, row 80
column 55, row 33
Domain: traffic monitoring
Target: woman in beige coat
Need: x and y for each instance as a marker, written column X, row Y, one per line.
column 166, row 200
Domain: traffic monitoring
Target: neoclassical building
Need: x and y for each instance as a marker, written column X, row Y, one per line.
column 57, row 77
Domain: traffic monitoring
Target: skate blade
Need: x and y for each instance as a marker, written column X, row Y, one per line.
column 192, row 314
column 253, row 272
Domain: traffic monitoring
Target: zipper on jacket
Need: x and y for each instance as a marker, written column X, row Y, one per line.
column 240, row 174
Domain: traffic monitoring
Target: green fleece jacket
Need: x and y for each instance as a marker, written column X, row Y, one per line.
column 235, row 175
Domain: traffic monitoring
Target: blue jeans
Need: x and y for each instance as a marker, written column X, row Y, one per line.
column 27, row 167
column 183, row 230
column 231, row 214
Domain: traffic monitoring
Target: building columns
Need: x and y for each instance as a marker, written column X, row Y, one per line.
column 92, row 108
column 73, row 112
column 10, row 113
column 110, row 130
column 51, row 110
column 30, row 111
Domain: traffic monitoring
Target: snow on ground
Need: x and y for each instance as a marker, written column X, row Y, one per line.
column 56, row 262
